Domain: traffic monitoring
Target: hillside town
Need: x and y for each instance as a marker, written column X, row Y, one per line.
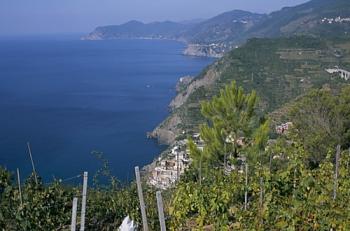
column 169, row 168
column 336, row 20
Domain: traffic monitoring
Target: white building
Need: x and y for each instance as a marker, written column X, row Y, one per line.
column 344, row 74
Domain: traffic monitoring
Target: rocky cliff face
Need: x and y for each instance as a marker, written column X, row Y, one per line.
column 170, row 128
column 213, row 50
column 167, row 131
column 208, row 79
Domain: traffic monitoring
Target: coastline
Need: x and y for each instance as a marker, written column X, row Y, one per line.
column 168, row 165
column 167, row 168
column 192, row 49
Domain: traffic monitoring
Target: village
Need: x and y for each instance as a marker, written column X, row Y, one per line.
column 169, row 167
column 335, row 20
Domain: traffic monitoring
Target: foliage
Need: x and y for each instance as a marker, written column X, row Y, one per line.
column 48, row 207
column 283, row 192
column 321, row 120
column 232, row 121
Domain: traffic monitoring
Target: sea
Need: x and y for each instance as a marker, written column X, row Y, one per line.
column 70, row 99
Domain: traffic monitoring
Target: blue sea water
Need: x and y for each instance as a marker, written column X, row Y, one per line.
column 69, row 97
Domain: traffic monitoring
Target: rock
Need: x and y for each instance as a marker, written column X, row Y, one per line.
column 170, row 129
column 183, row 83
column 167, row 131
column 213, row 50
column 209, row 78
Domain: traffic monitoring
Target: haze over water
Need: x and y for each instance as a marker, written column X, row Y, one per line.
column 69, row 97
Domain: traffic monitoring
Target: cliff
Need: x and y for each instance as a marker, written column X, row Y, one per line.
column 214, row 50
column 173, row 126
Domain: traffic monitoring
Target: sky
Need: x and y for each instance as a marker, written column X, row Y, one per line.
column 82, row 16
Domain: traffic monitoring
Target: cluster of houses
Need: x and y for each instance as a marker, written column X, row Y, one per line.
column 344, row 74
column 240, row 21
column 335, row 20
column 168, row 169
column 283, row 128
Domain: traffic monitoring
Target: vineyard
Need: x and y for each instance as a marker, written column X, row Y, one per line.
column 298, row 181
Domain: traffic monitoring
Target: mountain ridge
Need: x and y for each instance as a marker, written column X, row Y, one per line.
column 226, row 31
column 217, row 31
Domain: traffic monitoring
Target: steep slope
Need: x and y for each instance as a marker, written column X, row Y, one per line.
column 316, row 18
column 218, row 35
column 210, row 37
column 279, row 69
column 223, row 28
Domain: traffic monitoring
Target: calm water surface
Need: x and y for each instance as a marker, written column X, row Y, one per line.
column 69, row 97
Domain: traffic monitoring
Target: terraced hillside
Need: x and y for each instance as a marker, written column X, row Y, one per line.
column 279, row 69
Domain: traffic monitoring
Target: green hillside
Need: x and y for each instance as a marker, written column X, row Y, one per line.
column 225, row 27
column 305, row 19
column 278, row 69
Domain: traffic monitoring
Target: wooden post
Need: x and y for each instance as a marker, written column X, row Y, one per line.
column 336, row 172
column 160, row 211
column 246, row 187
column 178, row 166
column 19, row 187
column 261, row 192
column 347, row 164
column 83, row 202
column 74, row 214
column 294, row 181
column 142, row 202
column 200, row 170
column 33, row 166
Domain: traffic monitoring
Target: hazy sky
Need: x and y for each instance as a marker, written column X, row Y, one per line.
column 56, row 16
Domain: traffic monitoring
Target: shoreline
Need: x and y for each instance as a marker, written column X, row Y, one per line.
column 191, row 49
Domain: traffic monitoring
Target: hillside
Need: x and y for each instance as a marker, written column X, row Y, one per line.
column 223, row 28
column 279, row 69
column 218, row 35
column 136, row 29
column 204, row 37
column 314, row 18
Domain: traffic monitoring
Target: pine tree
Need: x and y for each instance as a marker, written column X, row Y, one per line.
column 232, row 126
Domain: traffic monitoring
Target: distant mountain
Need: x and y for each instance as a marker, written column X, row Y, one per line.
column 193, row 21
column 315, row 18
column 136, row 29
column 223, row 28
column 215, row 36
column 205, row 37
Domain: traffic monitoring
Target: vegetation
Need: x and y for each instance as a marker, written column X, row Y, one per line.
column 279, row 70
column 242, row 180
column 49, row 207
column 254, row 184
column 279, row 190
column 321, row 121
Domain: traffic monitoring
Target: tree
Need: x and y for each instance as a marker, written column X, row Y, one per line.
column 321, row 120
column 231, row 127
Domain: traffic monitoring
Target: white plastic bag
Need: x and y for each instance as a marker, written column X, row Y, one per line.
column 127, row 225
